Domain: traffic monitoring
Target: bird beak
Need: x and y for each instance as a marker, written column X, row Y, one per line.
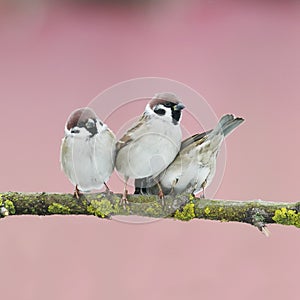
column 179, row 106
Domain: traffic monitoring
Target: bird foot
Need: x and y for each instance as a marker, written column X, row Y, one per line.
column 77, row 192
column 107, row 190
column 161, row 194
column 124, row 200
column 161, row 197
column 202, row 196
column 203, row 189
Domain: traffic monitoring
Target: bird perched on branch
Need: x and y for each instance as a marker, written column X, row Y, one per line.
column 87, row 151
column 152, row 143
column 195, row 165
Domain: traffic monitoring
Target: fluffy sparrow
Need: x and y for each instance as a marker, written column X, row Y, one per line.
column 87, row 153
column 153, row 142
column 195, row 165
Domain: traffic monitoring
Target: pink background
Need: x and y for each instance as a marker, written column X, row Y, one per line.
column 243, row 58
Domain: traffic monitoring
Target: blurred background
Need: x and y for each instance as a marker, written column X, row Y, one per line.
column 242, row 56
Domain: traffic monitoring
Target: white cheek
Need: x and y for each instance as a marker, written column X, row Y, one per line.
column 149, row 111
column 100, row 127
column 167, row 116
column 168, row 113
column 83, row 133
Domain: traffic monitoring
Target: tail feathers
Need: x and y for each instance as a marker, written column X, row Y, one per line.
column 226, row 119
column 228, row 123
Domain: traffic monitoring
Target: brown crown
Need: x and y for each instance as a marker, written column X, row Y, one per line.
column 80, row 115
column 164, row 98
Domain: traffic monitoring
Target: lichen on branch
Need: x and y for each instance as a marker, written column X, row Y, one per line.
column 182, row 207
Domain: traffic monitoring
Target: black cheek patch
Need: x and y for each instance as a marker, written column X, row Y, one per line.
column 176, row 116
column 92, row 131
column 160, row 111
column 75, row 131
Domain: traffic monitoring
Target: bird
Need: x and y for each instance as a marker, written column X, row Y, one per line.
column 194, row 167
column 153, row 142
column 88, row 151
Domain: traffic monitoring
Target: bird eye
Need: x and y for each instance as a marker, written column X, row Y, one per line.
column 168, row 104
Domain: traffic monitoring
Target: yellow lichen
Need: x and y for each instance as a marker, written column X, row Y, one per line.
column 207, row 210
column 286, row 216
column 191, row 197
column 101, row 208
column 9, row 205
column 187, row 213
column 57, row 208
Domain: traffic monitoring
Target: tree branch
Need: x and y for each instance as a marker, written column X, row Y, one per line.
column 182, row 207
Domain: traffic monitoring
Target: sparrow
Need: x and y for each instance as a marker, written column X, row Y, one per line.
column 88, row 150
column 195, row 165
column 152, row 143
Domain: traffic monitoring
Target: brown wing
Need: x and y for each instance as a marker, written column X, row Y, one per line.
column 127, row 137
column 197, row 138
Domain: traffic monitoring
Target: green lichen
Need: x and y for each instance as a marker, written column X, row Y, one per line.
column 286, row 216
column 187, row 213
column 118, row 209
column 101, row 208
column 155, row 210
column 219, row 210
column 140, row 199
column 9, row 205
column 56, row 208
column 258, row 217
